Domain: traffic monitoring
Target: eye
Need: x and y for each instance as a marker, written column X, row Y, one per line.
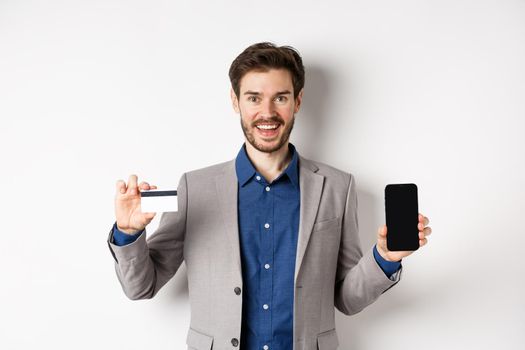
column 281, row 98
column 252, row 98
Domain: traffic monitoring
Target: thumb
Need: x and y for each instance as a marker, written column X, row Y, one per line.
column 382, row 231
column 149, row 216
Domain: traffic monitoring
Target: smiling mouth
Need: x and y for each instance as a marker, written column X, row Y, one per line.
column 268, row 129
column 267, row 126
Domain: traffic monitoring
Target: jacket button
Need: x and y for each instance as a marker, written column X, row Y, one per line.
column 237, row 290
column 235, row 342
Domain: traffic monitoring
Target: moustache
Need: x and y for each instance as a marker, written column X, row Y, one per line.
column 274, row 119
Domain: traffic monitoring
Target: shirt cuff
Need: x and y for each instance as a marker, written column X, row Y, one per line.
column 120, row 238
column 388, row 267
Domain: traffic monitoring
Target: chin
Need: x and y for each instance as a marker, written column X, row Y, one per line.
column 269, row 146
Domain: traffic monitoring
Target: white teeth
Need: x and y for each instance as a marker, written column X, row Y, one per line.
column 268, row 127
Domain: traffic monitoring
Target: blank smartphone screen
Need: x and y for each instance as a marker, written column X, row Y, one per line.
column 402, row 213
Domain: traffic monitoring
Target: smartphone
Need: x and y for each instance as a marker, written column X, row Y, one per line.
column 402, row 217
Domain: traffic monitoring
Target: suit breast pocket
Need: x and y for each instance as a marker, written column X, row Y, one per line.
column 198, row 341
column 327, row 234
column 327, row 340
column 324, row 225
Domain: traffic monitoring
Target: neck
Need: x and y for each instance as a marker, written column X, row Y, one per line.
column 269, row 165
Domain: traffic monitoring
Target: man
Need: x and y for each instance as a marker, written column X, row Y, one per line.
column 270, row 239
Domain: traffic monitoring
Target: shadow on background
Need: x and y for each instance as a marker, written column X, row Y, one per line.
column 310, row 130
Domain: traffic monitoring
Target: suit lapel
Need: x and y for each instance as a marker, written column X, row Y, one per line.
column 227, row 189
column 311, row 185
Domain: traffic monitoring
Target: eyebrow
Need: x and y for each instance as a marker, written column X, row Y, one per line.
column 284, row 92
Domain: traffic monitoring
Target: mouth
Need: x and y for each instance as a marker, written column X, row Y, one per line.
column 268, row 129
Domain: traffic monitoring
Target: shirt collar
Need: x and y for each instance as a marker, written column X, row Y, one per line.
column 245, row 169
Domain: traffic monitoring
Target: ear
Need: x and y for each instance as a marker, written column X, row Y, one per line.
column 235, row 100
column 298, row 101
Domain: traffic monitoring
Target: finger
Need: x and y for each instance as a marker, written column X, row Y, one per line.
column 422, row 242
column 423, row 234
column 381, row 243
column 121, row 186
column 153, row 187
column 132, row 184
column 382, row 231
column 144, row 185
column 427, row 230
column 421, row 226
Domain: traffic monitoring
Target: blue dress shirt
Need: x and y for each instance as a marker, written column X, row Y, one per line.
column 268, row 217
column 268, row 232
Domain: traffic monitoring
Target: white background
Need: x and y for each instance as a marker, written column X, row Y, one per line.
column 430, row 92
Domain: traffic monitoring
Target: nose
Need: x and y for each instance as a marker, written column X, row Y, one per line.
column 267, row 109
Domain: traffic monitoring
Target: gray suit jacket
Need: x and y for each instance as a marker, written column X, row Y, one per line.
column 331, row 269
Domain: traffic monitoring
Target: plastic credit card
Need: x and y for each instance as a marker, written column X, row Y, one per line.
column 158, row 201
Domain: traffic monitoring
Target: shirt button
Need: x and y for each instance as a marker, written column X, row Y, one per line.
column 258, row 177
column 235, row 342
column 237, row 290
column 265, row 347
column 267, row 188
column 265, row 306
column 266, row 266
column 267, row 225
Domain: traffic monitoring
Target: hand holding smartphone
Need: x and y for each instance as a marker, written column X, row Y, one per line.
column 402, row 217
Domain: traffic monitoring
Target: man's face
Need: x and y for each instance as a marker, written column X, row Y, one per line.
column 267, row 108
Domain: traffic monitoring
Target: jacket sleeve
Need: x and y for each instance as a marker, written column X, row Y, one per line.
column 145, row 265
column 359, row 278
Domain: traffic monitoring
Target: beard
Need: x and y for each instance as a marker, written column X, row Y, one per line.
column 285, row 136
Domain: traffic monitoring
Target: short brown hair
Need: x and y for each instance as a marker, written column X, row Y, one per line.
column 264, row 56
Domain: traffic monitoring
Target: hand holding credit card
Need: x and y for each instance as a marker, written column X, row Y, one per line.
column 136, row 204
